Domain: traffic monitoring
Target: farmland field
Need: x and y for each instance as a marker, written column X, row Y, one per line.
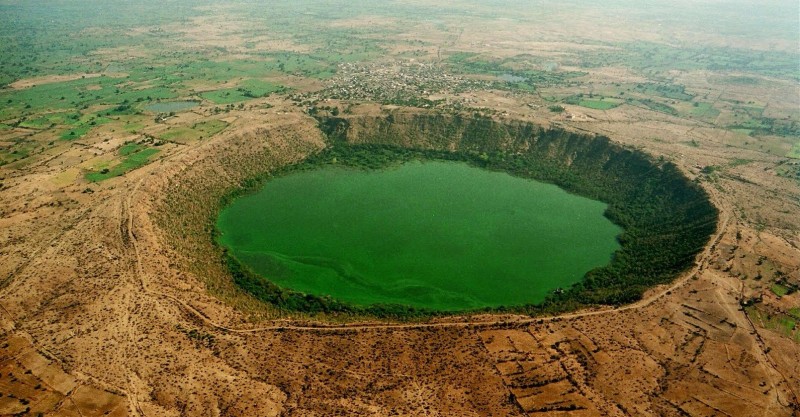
column 600, row 104
column 171, row 106
column 135, row 157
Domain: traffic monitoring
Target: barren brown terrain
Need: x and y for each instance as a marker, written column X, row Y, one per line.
column 114, row 300
column 105, row 304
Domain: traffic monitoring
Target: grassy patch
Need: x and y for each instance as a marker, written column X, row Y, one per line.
column 601, row 104
column 675, row 92
column 739, row 161
column 523, row 86
column 6, row 157
column 512, row 71
column 199, row 130
column 751, row 117
column 779, row 290
column 795, row 151
column 135, row 159
column 133, row 126
column 64, row 118
column 657, row 57
column 80, row 94
column 19, row 150
column 706, row 110
column 781, row 323
column 180, row 134
column 247, row 90
column 210, row 127
column 75, row 133
column 740, row 80
column 224, row 96
column 66, row 178
column 593, row 101
column 301, row 64
column 130, row 148
column 81, row 125
column 659, row 107
column 121, row 110
column 38, row 123
column 746, row 132
column 751, row 125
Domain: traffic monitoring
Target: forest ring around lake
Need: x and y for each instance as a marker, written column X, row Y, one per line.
column 666, row 218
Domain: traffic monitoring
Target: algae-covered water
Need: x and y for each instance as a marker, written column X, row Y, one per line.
column 436, row 235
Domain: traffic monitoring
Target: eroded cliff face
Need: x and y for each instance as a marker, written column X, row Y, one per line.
column 429, row 131
column 539, row 146
column 667, row 218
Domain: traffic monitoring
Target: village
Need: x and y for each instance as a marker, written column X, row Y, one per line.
column 404, row 83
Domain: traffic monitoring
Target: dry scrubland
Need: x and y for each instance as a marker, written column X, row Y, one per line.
column 115, row 302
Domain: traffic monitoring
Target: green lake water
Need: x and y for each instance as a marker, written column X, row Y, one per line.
column 435, row 235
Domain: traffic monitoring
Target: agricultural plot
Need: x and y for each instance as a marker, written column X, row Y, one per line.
column 75, row 133
column 302, row 65
column 82, row 125
column 171, row 106
column 785, row 324
column 671, row 91
column 703, row 110
column 199, row 68
column 40, row 123
column 514, row 73
column 201, row 130
column 761, row 126
column 133, row 125
column 78, row 94
column 658, row 106
column 247, row 90
column 795, row 151
column 649, row 57
column 601, row 104
column 16, row 149
column 779, row 290
column 593, row 101
column 135, row 156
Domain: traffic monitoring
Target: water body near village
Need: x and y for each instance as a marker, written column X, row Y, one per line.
column 436, row 235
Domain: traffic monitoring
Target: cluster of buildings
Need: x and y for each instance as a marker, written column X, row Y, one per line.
column 408, row 83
